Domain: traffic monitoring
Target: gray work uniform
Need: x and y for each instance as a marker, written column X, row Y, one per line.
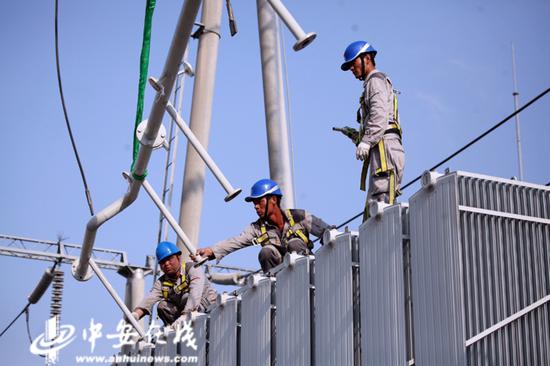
column 379, row 117
column 197, row 296
column 275, row 243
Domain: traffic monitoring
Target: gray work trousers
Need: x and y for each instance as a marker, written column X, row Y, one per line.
column 271, row 256
column 381, row 184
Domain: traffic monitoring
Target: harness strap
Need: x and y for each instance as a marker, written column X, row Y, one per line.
column 183, row 286
column 298, row 232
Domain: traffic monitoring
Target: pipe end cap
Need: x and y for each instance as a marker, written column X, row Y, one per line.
column 85, row 277
column 232, row 195
column 304, row 41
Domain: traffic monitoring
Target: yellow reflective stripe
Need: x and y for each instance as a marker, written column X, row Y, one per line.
column 363, row 184
column 290, row 218
column 302, row 235
column 392, row 188
column 383, row 163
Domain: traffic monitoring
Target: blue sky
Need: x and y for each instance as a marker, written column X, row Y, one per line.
column 450, row 60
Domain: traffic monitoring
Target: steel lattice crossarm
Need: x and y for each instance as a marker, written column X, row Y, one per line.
column 53, row 251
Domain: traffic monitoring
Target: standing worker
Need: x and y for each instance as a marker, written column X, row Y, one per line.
column 277, row 231
column 179, row 291
column 378, row 140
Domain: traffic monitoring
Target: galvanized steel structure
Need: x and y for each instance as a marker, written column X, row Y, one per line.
column 459, row 276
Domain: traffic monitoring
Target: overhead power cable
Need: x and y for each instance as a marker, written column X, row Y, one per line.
column 87, row 191
column 461, row 149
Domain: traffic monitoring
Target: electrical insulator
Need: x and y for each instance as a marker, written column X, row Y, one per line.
column 42, row 286
column 57, row 293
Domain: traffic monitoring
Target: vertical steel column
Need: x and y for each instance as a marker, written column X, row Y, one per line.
column 278, row 139
column 201, row 114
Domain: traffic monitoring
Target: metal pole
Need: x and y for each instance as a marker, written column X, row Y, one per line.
column 231, row 192
column 81, row 270
column 135, row 286
column 188, row 245
column 516, row 105
column 278, row 142
column 117, row 298
column 302, row 39
column 201, row 114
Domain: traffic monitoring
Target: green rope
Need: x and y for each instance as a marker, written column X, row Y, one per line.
column 143, row 69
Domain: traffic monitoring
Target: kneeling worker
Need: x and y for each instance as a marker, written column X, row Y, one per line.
column 277, row 231
column 179, row 291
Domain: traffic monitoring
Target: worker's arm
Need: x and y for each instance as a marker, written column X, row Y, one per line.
column 224, row 247
column 146, row 305
column 315, row 225
column 379, row 104
column 197, row 280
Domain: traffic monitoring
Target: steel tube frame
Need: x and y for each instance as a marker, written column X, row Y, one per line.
column 231, row 192
column 81, row 270
column 302, row 39
column 117, row 298
column 171, row 220
column 278, row 140
column 200, row 118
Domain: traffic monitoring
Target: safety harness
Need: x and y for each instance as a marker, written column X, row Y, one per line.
column 393, row 127
column 178, row 289
column 293, row 231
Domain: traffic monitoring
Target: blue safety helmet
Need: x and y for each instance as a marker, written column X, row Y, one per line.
column 262, row 188
column 354, row 50
column 166, row 249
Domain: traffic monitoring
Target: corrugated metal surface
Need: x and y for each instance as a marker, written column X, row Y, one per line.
column 223, row 332
column 436, row 271
column 382, row 278
column 506, row 268
column 199, row 333
column 334, row 303
column 498, row 232
column 292, row 319
column 167, row 348
column 255, row 341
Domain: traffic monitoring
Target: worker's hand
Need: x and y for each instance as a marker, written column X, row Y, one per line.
column 205, row 253
column 135, row 315
column 362, row 152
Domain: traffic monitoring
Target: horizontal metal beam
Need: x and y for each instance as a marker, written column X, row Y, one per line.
column 506, row 215
column 44, row 250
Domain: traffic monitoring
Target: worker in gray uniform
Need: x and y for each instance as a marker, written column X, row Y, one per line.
column 378, row 139
column 277, row 231
column 179, row 291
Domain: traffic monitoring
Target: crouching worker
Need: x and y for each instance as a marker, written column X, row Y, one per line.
column 277, row 231
column 179, row 291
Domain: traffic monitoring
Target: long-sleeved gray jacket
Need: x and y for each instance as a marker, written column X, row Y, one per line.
column 199, row 293
column 378, row 111
column 305, row 221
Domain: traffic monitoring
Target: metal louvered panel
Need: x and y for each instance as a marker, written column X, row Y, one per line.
column 292, row 312
column 223, row 332
column 166, row 350
column 384, row 308
column 195, row 355
column 501, row 291
column 256, row 322
column 436, row 270
column 505, row 237
column 334, row 341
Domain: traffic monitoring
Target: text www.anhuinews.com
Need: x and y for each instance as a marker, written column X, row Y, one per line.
column 136, row 358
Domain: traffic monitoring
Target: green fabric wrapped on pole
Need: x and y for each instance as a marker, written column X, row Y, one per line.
column 143, row 69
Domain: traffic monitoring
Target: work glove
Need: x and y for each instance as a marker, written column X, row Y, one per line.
column 362, row 152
